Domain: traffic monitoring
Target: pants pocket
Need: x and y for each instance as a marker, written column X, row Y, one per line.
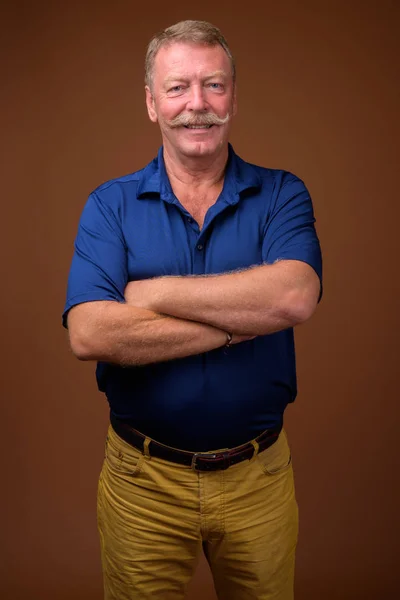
column 277, row 458
column 120, row 457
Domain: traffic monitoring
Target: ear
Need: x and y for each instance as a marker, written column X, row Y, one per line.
column 234, row 101
column 150, row 105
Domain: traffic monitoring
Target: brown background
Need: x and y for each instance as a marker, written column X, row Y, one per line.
column 318, row 95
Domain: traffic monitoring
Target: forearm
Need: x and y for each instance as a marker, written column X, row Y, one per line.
column 126, row 335
column 258, row 301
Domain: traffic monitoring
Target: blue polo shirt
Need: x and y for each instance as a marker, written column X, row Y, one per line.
column 134, row 228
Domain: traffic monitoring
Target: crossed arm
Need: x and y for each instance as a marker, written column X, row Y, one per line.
column 257, row 301
column 174, row 317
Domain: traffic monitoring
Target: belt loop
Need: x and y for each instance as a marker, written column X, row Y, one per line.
column 256, row 446
column 146, row 450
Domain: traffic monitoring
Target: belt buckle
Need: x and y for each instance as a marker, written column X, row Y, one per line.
column 209, row 461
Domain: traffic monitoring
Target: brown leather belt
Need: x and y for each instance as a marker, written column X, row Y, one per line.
column 198, row 461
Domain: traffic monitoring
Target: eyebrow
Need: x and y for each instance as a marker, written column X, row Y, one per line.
column 176, row 78
column 173, row 78
column 219, row 73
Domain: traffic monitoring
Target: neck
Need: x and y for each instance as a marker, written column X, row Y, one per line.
column 204, row 171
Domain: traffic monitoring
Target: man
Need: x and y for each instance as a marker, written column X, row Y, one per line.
column 187, row 279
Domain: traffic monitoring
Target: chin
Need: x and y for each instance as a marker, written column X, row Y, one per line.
column 200, row 149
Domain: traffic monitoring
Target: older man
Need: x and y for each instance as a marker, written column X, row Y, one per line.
column 187, row 279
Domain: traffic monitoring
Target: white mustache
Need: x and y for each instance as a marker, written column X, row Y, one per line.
column 198, row 119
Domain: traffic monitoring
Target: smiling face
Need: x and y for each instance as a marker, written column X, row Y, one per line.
column 192, row 98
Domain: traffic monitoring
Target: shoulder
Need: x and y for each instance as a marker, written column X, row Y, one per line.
column 129, row 188
column 269, row 179
column 109, row 200
column 116, row 195
column 114, row 187
column 276, row 177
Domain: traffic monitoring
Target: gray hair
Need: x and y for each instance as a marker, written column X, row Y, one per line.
column 197, row 32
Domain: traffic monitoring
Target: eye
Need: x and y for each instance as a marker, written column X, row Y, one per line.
column 214, row 85
column 176, row 89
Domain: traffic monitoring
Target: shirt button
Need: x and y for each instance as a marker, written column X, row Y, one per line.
column 189, row 219
column 199, row 247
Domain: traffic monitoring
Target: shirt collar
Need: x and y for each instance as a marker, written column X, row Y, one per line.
column 239, row 176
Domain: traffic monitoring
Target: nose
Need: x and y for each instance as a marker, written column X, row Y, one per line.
column 197, row 99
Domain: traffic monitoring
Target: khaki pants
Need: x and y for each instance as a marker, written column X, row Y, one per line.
column 155, row 517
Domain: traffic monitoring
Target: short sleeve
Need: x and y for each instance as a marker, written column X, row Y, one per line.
column 99, row 264
column 290, row 229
